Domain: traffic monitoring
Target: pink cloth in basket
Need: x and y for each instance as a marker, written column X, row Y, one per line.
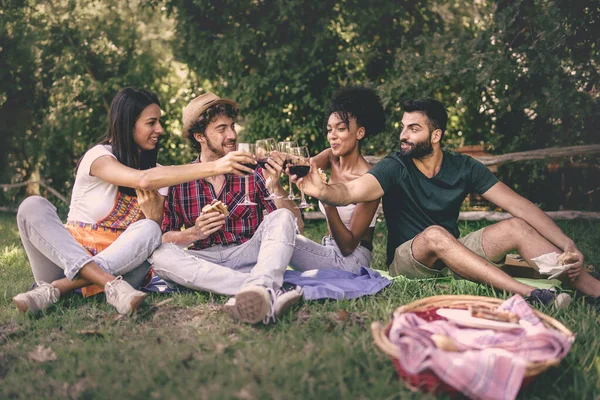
column 489, row 364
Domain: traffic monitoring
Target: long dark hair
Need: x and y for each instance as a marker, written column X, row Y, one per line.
column 125, row 109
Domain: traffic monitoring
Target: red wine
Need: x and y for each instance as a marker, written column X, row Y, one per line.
column 262, row 162
column 299, row 170
column 252, row 166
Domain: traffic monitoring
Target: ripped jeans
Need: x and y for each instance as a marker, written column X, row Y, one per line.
column 226, row 269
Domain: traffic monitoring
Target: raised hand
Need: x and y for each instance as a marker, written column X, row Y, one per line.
column 233, row 162
column 152, row 204
column 273, row 168
column 311, row 184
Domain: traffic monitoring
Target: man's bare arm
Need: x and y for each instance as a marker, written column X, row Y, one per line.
column 359, row 190
column 520, row 207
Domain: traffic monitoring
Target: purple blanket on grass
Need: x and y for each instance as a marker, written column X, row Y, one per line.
column 317, row 284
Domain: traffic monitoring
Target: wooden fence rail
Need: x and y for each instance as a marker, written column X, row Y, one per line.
column 540, row 154
column 463, row 216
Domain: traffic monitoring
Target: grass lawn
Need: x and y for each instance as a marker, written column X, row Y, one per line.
column 188, row 348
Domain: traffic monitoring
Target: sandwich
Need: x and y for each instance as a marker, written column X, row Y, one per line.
column 567, row 258
column 216, row 206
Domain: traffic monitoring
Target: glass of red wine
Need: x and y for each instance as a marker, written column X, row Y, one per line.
column 250, row 148
column 264, row 148
column 300, row 166
column 284, row 147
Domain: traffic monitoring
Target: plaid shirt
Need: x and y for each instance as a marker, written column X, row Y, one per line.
column 185, row 201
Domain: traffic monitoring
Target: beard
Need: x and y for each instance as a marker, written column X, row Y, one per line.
column 417, row 150
column 218, row 151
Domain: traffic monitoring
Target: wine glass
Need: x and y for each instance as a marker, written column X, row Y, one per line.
column 264, row 148
column 300, row 166
column 284, row 147
column 250, row 148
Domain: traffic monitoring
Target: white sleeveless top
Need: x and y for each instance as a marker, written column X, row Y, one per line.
column 346, row 213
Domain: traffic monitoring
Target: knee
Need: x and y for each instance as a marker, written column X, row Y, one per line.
column 436, row 239
column 162, row 255
column 151, row 231
column 517, row 226
column 33, row 207
column 284, row 218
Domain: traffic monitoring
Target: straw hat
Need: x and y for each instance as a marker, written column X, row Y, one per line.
column 197, row 106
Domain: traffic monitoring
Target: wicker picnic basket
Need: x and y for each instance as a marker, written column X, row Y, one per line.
column 426, row 308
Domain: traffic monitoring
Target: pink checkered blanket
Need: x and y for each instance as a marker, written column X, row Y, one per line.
column 489, row 364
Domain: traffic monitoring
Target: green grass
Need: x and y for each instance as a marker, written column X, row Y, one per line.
column 190, row 348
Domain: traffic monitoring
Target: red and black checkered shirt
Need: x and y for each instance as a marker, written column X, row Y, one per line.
column 185, row 202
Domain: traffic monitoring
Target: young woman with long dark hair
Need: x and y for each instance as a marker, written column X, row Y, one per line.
column 115, row 212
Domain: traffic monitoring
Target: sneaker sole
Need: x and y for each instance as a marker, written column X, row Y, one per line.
column 135, row 303
column 252, row 305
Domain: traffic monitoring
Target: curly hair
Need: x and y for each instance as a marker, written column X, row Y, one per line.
column 208, row 116
column 359, row 102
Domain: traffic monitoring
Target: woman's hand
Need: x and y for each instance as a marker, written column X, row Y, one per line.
column 152, row 204
column 232, row 162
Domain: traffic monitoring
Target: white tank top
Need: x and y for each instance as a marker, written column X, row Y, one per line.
column 346, row 213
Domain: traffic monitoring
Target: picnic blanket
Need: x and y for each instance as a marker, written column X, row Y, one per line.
column 489, row 364
column 316, row 284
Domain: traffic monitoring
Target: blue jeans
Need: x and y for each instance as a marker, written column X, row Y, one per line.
column 54, row 254
column 226, row 269
column 310, row 255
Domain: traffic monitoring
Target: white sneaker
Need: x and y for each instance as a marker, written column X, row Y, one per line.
column 122, row 296
column 38, row 299
column 251, row 304
column 279, row 302
column 285, row 299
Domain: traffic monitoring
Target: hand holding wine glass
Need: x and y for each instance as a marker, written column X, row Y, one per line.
column 284, row 147
column 250, row 148
column 264, row 151
column 299, row 165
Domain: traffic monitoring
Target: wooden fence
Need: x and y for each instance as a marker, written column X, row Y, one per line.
column 464, row 216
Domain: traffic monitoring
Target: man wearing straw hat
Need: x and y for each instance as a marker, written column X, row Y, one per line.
column 423, row 188
column 238, row 252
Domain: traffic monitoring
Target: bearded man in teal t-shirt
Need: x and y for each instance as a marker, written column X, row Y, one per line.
column 423, row 187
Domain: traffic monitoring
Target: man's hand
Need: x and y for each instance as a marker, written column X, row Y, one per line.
column 232, row 163
column 207, row 224
column 273, row 168
column 152, row 204
column 575, row 270
column 311, row 184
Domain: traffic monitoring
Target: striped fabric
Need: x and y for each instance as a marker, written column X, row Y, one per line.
column 97, row 237
column 185, row 202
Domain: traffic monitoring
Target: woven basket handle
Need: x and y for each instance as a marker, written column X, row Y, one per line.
column 382, row 341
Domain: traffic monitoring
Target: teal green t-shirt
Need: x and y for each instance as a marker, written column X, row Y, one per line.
column 413, row 202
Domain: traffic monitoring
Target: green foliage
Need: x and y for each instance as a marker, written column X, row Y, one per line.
column 516, row 75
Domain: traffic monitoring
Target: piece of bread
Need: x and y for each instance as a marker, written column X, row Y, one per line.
column 493, row 315
column 567, row 258
column 322, row 175
column 216, row 206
